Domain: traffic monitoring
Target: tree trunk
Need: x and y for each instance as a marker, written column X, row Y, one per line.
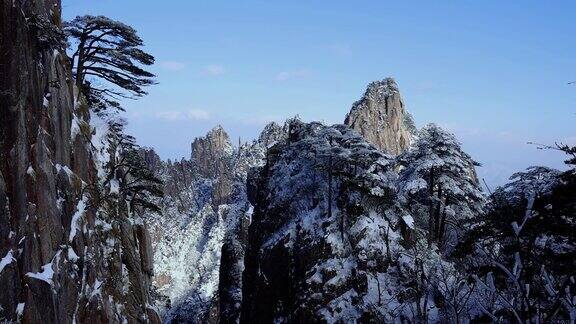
column 442, row 225
column 431, row 208
column 80, row 66
column 437, row 215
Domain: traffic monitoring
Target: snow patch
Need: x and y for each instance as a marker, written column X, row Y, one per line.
column 6, row 260
column 408, row 220
column 20, row 309
column 114, row 186
column 66, row 169
column 72, row 256
column 30, row 171
column 46, row 100
column 45, row 275
column 74, row 128
column 74, row 226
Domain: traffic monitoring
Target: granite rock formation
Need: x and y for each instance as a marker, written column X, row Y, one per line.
column 380, row 116
column 326, row 230
column 212, row 152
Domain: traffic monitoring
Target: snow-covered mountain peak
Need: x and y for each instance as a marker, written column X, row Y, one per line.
column 271, row 134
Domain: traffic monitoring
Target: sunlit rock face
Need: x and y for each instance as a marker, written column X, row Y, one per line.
column 211, row 152
column 212, row 158
column 380, row 116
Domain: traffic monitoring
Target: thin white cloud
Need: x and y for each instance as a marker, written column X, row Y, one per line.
column 173, row 65
column 197, row 114
column 214, row 70
column 169, row 115
column 296, row 74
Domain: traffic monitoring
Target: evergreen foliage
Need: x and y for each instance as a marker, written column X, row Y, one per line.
column 107, row 60
column 438, row 182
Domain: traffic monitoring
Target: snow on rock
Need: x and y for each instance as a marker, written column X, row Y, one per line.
column 46, row 100
column 72, row 256
column 30, row 171
column 66, row 169
column 100, row 126
column 75, row 127
column 76, row 218
column 436, row 169
column 114, row 186
column 59, row 138
column 326, row 232
column 186, row 261
column 6, row 260
column 205, row 205
column 20, row 309
column 46, row 274
column 409, row 221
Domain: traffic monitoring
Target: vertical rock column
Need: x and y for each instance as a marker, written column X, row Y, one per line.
column 381, row 117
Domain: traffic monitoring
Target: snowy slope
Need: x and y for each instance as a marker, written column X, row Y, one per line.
column 205, row 204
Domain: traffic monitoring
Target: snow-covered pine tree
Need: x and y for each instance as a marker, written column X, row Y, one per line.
column 110, row 52
column 438, row 183
column 128, row 179
column 522, row 250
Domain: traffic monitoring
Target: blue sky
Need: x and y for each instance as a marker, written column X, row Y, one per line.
column 495, row 73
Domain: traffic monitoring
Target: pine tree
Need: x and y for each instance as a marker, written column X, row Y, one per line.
column 107, row 62
column 109, row 53
column 524, row 246
column 438, row 182
column 128, row 177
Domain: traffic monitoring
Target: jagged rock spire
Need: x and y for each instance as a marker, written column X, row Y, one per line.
column 211, row 151
column 272, row 134
column 381, row 118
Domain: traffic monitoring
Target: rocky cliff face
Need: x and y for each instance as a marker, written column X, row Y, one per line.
column 61, row 260
column 236, row 239
column 380, row 116
column 205, row 219
column 211, row 157
column 212, row 152
column 326, row 231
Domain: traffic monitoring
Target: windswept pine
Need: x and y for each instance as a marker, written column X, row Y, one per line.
column 110, row 52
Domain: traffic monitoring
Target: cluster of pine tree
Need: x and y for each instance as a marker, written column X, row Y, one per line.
column 521, row 250
column 108, row 65
column 506, row 256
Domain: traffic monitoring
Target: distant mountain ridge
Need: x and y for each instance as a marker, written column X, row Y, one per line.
column 231, row 213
